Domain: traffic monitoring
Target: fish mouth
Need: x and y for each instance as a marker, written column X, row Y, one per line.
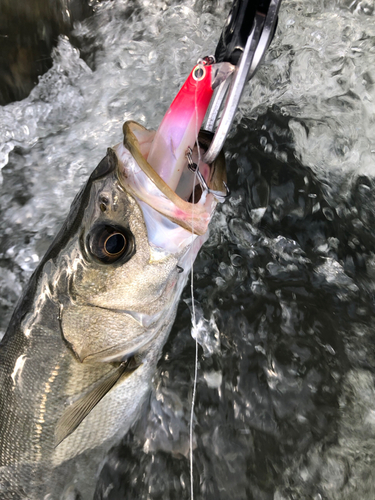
column 193, row 212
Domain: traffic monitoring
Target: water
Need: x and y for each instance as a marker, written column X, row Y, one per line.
column 28, row 31
column 285, row 285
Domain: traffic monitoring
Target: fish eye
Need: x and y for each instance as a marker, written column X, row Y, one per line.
column 199, row 73
column 114, row 245
column 109, row 243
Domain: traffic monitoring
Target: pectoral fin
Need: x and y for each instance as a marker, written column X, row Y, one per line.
column 76, row 412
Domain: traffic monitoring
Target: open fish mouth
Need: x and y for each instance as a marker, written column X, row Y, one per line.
column 193, row 212
column 167, row 232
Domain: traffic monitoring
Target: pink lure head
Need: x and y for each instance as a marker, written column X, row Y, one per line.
column 192, row 101
column 181, row 124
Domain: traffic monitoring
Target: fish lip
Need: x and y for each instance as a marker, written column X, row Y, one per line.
column 193, row 217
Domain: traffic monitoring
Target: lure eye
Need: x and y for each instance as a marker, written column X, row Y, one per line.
column 108, row 243
column 199, row 73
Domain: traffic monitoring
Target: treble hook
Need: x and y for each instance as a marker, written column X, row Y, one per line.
column 193, row 167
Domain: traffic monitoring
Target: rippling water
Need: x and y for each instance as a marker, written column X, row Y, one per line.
column 285, row 285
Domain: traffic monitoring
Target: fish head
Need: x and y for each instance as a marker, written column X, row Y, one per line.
column 118, row 284
column 136, row 242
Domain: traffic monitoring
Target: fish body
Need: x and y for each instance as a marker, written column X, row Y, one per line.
column 78, row 358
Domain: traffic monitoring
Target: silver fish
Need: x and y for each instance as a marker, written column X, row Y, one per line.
column 79, row 355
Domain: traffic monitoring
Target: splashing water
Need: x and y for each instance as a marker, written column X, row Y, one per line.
column 285, row 396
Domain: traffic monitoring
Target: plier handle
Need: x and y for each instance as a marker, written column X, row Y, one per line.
column 244, row 40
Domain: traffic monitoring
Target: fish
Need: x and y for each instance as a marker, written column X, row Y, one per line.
column 79, row 355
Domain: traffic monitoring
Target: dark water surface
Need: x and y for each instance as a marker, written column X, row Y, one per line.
column 28, row 32
column 285, row 405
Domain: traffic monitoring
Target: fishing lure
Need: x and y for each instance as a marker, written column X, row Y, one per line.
column 180, row 126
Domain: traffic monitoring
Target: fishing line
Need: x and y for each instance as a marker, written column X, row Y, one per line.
column 193, row 315
column 192, row 406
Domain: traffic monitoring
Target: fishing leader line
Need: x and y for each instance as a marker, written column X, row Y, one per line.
column 193, row 314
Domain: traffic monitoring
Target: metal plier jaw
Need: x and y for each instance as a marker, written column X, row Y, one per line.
column 246, row 36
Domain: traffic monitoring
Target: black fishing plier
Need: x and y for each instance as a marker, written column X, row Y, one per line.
column 244, row 40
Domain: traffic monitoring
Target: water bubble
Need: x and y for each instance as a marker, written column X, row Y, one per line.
column 328, row 213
